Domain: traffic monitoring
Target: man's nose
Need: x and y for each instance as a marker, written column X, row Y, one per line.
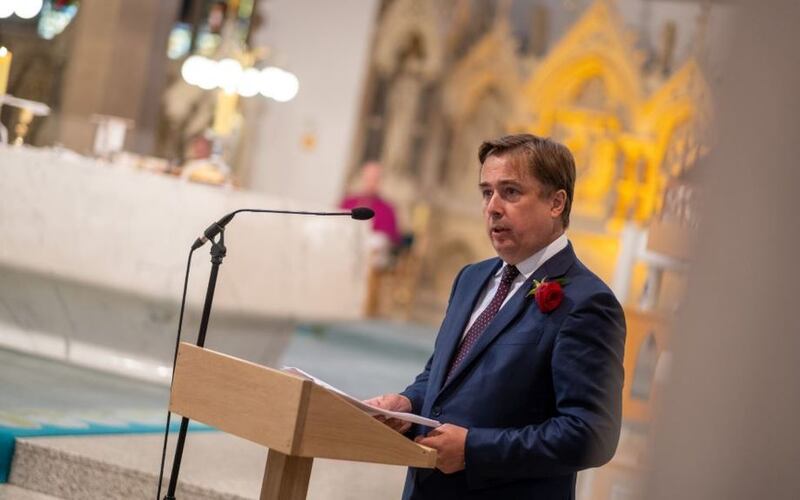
column 494, row 206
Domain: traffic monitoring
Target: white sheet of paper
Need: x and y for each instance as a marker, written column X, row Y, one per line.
column 371, row 410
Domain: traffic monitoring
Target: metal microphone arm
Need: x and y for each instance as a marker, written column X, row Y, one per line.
column 359, row 213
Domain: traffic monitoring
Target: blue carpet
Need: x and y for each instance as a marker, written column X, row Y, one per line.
column 49, row 398
column 43, row 397
column 40, row 423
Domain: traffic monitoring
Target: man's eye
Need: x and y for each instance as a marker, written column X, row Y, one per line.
column 486, row 193
column 510, row 191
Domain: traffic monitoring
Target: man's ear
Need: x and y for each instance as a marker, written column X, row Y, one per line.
column 557, row 203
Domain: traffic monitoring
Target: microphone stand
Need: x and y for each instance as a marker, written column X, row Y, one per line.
column 218, row 251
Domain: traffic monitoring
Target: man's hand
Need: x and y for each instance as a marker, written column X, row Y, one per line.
column 449, row 441
column 392, row 402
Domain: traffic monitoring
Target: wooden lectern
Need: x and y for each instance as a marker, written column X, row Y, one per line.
column 295, row 418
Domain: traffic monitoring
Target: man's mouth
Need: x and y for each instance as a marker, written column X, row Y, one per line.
column 499, row 230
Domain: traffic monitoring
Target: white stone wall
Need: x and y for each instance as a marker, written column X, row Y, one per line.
column 326, row 44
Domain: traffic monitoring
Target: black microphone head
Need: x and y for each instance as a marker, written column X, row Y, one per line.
column 224, row 221
column 362, row 213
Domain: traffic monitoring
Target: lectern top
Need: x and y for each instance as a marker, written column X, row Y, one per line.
column 283, row 412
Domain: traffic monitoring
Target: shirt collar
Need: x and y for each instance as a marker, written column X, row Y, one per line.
column 529, row 266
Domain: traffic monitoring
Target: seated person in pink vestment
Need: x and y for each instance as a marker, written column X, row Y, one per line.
column 385, row 235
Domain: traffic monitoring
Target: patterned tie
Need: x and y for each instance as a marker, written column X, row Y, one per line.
column 477, row 328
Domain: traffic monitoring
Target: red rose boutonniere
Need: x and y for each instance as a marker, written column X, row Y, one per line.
column 548, row 294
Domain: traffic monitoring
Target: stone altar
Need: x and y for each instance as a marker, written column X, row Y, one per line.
column 93, row 256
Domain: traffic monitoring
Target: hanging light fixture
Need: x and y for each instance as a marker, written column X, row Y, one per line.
column 28, row 9
column 229, row 75
column 6, row 8
column 250, row 83
column 278, row 84
column 24, row 9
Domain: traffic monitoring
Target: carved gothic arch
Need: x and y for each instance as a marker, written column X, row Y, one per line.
column 683, row 102
column 481, row 100
column 409, row 25
column 596, row 47
column 491, row 66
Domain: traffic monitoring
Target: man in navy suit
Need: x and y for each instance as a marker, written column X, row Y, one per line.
column 528, row 384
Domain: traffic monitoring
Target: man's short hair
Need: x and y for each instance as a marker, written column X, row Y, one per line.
column 550, row 162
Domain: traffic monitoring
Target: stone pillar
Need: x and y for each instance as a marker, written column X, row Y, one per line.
column 729, row 426
column 117, row 66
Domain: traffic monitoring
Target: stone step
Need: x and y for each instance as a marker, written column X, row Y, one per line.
column 11, row 492
column 215, row 466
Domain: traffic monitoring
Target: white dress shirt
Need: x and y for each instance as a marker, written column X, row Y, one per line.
column 526, row 268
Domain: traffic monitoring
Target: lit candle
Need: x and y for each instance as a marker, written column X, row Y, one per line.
column 225, row 112
column 5, row 67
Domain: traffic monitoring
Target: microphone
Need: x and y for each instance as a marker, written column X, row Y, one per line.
column 358, row 213
column 362, row 213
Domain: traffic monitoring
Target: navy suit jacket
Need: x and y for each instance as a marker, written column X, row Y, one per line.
column 541, row 393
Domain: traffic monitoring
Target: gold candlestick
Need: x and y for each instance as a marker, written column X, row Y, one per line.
column 5, row 68
column 225, row 113
column 21, row 130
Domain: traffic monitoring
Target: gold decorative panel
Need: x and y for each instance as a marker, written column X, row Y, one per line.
column 589, row 93
column 445, row 77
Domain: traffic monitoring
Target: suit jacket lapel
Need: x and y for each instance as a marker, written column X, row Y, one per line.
column 555, row 267
column 460, row 317
column 507, row 313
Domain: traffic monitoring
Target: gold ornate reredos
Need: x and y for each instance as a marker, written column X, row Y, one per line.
column 590, row 93
column 407, row 22
column 595, row 47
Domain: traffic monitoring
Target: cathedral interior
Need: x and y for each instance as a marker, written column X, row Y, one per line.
column 126, row 127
